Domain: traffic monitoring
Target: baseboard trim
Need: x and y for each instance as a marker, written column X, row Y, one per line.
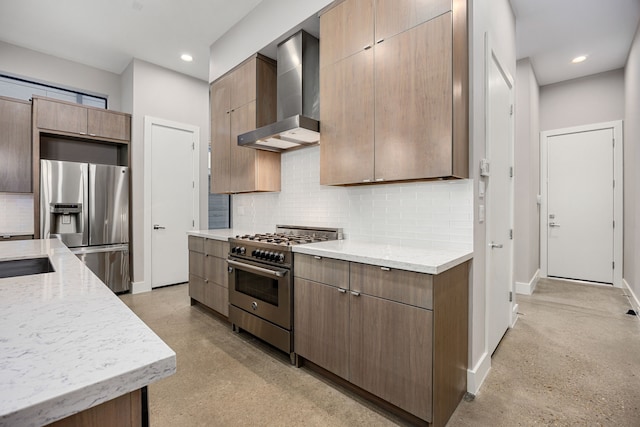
column 477, row 375
column 514, row 315
column 528, row 288
column 633, row 298
column 139, row 287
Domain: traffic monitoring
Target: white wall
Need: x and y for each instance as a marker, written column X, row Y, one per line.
column 164, row 94
column 496, row 18
column 269, row 21
column 631, row 273
column 526, row 177
column 20, row 62
column 435, row 214
column 592, row 99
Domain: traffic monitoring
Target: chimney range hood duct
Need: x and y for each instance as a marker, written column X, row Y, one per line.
column 298, row 100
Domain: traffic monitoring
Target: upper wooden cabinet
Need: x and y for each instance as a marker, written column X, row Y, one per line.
column 388, row 110
column 15, row 146
column 87, row 122
column 243, row 100
column 396, row 16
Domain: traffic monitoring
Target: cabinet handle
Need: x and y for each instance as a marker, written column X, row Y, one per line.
column 342, row 291
column 206, row 280
column 379, row 41
column 206, row 255
column 367, row 47
column 82, row 133
column 92, row 134
column 379, row 179
column 366, row 180
column 317, row 257
column 355, row 293
column 385, row 269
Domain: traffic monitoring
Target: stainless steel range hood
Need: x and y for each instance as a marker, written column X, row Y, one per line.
column 298, row 100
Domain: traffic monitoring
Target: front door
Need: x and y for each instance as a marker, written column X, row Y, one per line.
column 580, row 214
column 174, row 201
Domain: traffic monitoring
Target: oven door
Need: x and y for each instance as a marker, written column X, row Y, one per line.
column 261, row 290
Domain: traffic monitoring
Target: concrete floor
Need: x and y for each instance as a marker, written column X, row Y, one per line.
column 573, row 358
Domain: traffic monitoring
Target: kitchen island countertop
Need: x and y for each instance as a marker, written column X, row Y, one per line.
column 67, row 343
column 428, row 259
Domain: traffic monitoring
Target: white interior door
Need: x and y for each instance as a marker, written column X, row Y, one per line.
column 580, row 200
column 499, row 202
column 174, row 201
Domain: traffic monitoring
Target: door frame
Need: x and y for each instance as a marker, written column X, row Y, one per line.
column 618, row 174
column 490, row 56
column 149, row 122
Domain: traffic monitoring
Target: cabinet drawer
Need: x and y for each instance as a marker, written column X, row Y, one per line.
column 396, row 285
column 196, row 263
column 196, row 244
column 215, row 270
column 330, row 271
column 216, row 248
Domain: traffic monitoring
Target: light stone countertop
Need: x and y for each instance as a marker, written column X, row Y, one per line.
column 67, row 343
column 220, row 234
column 419, row 259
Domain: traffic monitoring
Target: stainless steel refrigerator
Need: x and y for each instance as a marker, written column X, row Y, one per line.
column 86, row 206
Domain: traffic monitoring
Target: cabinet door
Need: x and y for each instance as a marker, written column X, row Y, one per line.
column 345, row 30
column 346, row 120
column 15, row 146
column 61, row 117
column 396, row 16
column 215, row 270
column 220, row 134
column 243, row 88
column 413, row 114
column 391, row 352
column 196, row 288
column 108, row 125
column 321, row 322
column 217, row 298
column 242, row 171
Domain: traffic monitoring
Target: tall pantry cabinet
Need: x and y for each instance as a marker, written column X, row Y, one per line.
column 243, row 100
column 393, row 85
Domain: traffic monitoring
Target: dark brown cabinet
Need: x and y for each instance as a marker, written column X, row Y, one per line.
column 402, row 119
column 208, row 278
column 243, row 100
column 15, row 146
column 396, row 334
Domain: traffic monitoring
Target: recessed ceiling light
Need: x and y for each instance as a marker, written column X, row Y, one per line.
column 578, row 59
column 186, row 57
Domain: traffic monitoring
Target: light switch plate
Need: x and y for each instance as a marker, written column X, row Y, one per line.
column 480, row 213
column 481, row 189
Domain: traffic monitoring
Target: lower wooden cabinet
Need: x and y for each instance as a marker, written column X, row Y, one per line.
column 208, row 279
column 399, row 335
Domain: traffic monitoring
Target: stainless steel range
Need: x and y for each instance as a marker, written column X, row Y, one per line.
column 261, row 281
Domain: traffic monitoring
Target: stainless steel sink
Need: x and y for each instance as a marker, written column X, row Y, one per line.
column 25, row 267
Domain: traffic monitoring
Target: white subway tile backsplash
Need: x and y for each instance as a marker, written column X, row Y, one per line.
column 16, row 213
column 411, row 214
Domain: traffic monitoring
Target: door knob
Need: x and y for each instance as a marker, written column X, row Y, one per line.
column 158, row 227
column 554, row 224
column 495, row 245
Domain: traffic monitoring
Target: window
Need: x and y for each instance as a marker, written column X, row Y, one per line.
column 14, row 87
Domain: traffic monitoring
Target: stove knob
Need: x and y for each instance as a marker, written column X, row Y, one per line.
column 272, row 256
column 254, row 253
column 261, row 253
column 241, row 250
column 267, row 255
column 280, row 257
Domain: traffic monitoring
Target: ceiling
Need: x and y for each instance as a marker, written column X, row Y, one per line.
column 553, row 32
column 107, row 34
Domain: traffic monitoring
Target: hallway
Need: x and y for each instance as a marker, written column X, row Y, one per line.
column 573, row 358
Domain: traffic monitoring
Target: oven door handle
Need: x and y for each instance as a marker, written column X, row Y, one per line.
column 254, row 269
